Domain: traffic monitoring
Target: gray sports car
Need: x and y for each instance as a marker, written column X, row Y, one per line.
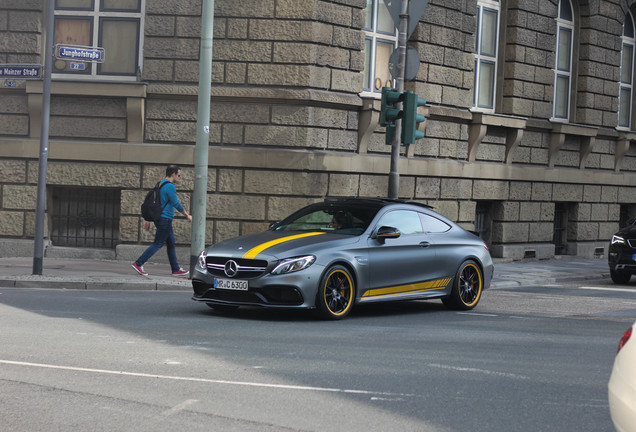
column 331, row 255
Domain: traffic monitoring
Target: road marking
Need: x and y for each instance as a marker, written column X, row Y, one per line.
column 476, row 314
column 205, row 380
column 608, row 289
column 481, row 371
column 180, row 407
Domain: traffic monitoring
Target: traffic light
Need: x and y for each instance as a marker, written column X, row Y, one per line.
column 411, row 118
column 389, row 112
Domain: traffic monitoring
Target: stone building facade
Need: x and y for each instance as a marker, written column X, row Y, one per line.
column 293, row 121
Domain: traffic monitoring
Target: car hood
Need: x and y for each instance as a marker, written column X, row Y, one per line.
column 628, row 232
column 279, row 244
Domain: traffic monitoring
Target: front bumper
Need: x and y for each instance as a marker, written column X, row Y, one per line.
column 622, row 258
column 295, row 290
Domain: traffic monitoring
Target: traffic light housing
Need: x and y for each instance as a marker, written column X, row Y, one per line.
column 389, row 111
column 411, row 118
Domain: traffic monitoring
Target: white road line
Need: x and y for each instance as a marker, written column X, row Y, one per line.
column 203, row 380
column 481, row 371
column 180, row 407
column 476, row 314
column 609, row 289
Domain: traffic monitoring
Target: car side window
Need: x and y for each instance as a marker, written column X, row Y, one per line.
column 408, row 222
column 433, row 225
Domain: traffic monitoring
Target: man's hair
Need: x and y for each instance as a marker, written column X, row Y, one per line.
column 172, row 169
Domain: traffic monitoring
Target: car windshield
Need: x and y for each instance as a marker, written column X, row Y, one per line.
column 333, row 217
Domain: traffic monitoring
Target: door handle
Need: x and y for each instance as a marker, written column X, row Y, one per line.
column 425, row 244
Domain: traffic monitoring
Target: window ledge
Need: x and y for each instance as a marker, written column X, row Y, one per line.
column 79, row 88
column 559, row 132
column 134, row 93
column 625, row 139
column 479, row 127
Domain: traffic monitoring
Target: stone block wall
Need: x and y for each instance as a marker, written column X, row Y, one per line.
column 286, row 118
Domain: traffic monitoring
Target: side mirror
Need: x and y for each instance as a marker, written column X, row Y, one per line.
column 386, row 232
column 273, row 225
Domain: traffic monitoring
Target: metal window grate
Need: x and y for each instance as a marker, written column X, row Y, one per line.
column 560, row 226
column 483, row 220
column 85, row 217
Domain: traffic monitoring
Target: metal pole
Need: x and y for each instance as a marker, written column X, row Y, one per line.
column 40, row 209
column 394, row 175
column 199, row 196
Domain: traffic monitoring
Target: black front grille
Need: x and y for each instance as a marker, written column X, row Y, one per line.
column 632, row 243
column 246, row 268
column 268, row 296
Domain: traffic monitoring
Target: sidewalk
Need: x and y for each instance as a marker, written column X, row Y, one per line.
column 119, row 275
column 88, row 274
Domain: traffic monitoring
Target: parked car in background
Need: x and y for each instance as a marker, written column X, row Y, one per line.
column 334, row 254
column 622, row 384
column 622, row 253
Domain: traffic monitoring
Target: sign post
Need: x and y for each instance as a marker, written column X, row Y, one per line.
column 40, row 209
column 200, row 193
column 406, row 14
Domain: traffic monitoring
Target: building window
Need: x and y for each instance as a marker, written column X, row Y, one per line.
column 114, row 25
column 627, row 74
column 483, row 221
column 560, row 228
column 85, row 217
column 380, row 41
column 563, row 65
column 486, row 55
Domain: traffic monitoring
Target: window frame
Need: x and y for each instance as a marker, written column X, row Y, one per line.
column 482, row 59
column 564, row 25
column 97, row 15
column 374, row 36
column 629, row 41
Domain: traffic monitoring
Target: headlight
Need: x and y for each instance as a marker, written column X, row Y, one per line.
column 617, row 239
column 201, row 261
column 291, row 265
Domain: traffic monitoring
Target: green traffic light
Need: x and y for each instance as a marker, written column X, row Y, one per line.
column 389, row 112
column 411, row 118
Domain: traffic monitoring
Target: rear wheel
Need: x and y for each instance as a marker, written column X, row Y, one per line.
column 467, row 287
column 620, row 277
column 335, row 293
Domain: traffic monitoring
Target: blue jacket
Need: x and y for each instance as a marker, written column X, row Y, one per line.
column 168, row 196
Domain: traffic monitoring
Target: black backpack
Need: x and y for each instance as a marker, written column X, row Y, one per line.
column 151, row 208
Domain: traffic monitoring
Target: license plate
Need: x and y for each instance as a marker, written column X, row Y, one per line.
column 230, row 284
column 634, row 257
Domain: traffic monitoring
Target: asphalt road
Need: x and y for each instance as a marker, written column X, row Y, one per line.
column 526, row 359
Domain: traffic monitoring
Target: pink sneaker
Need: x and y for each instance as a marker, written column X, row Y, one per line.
column 181, row 272
column 139, row 269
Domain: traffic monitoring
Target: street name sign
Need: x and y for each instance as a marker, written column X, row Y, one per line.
column 21, row 71
column 77, row 53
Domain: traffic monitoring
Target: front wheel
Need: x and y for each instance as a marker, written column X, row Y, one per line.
column 335, row 293
column 467, row 287
column 620, row 277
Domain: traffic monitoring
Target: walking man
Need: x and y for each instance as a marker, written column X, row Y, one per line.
column 164, row 234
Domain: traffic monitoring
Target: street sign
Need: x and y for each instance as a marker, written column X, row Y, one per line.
column 21, row 71
column 416, row 9
column 410, row 68
column 78, row 66
column 78, row 53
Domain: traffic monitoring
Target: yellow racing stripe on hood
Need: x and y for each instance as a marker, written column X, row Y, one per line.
column 251, row 254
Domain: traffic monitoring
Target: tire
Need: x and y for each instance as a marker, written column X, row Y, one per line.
column 336, row 293
column 467, row 287
column 222, row 307
column 619, row 277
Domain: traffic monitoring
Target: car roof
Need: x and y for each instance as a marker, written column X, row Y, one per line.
column 376, row 202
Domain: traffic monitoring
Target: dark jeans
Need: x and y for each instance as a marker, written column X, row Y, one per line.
column 163, row 235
